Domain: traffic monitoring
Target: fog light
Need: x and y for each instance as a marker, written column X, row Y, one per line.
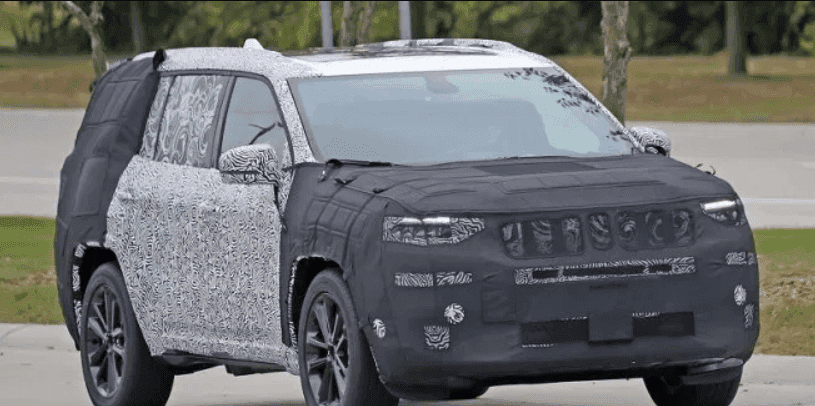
column 740, row 295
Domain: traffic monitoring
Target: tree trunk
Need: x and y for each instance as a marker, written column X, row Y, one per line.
column 419, row 18
column 136, row 28
column 736, row 63
column 616, row 55
column 349, row 18
column 92, row 25
column 327, row 25
column 363, row 35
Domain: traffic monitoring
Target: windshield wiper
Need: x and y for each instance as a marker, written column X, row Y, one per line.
column 263, row 130
column 335, row 163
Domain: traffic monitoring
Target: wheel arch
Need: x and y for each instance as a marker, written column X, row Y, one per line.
column 88, row 256
column 303, row 271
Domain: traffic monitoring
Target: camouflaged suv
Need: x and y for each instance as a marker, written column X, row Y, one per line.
column 408, row 219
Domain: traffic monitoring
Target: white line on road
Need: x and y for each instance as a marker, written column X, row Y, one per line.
column 22, row 180
column 777, row 201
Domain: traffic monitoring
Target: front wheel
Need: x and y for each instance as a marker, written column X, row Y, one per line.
column 667, row 392
column 116, row 362
column 336, row 366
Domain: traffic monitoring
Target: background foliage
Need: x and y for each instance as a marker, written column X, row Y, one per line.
column 547, row 27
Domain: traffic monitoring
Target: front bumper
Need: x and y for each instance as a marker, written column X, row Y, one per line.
column 484, row 326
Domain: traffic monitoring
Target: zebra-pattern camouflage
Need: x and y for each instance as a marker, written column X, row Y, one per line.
column 426, row 280
column 453, row 278
column 437, row 337
column 413, row 280
column 241, row 164
column 414, row 231
column 679, row 266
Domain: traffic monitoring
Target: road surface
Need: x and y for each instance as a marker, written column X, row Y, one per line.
column 39, row 366
column 772, row 166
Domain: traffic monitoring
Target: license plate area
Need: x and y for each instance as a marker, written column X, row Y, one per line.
column 611, row 326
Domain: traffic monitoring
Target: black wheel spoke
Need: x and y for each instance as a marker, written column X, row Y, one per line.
column 313, row 341
column 338, row 328
column 325, row 388
column 100, row 331
column 108, row 310
column 339, row 378
column 317, row 365
column 111, row 373
column 321, row 313
column 96, row 356
column 100, row 318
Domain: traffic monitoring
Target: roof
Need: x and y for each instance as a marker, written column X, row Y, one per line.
column 391, row 56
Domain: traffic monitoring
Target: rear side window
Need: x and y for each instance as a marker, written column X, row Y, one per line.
column 253, row 118
column 187, row 127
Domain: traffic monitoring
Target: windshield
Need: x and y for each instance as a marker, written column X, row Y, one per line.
column 431, row 117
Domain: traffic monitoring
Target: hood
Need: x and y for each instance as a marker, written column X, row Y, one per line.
column 535, row 184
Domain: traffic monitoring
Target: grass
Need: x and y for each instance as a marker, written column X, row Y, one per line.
column 672, row 88
column 787, row 269
column 28, row 291
column 697, row 88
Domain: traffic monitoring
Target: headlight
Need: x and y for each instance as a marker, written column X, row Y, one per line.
column 727, row 211
column 430, row 230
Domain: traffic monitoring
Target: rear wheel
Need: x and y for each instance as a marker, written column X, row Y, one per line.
column 116, row 362
column 336, row 366
column 666, row 392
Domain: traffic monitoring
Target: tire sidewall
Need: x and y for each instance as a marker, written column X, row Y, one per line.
column 330, row 283
column 108, row 275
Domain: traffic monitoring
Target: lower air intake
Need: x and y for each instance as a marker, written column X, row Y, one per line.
column 549, row 333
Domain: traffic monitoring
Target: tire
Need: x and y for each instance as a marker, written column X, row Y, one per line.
column 469, row 393
column 110, row 335
column 665, row 393
column 336, row 366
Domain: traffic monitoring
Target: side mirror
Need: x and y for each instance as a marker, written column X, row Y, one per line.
column 654, row 141
column 249, row 164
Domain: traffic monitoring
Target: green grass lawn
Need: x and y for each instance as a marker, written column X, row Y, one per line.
column 28, row 291
column 697, row 88
column 665, row 88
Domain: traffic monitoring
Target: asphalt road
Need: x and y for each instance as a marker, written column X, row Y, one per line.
column 38, row 366
column 772, row 166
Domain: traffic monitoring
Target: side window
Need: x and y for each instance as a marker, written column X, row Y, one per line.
column 148, row 146
column 253, row 118
column 188, row 123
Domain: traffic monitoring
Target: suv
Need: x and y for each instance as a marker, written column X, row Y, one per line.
column 408, row 219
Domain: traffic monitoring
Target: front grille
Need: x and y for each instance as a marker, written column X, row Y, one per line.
column 549, row 333
column 604, row 270
column 633, row 230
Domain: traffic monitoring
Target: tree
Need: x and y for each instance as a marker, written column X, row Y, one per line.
column 136, row 29
column 354, row 30
column 91, row 23
column 616, row 55
column 736, row 62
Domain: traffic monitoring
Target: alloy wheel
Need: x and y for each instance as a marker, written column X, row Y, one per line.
column 105, row 341
column 326, row 351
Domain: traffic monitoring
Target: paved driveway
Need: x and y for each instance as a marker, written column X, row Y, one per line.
column 38, row 366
